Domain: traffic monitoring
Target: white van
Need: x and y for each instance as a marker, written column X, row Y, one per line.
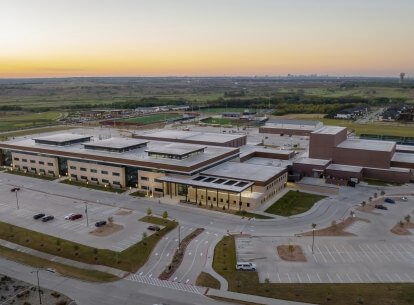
column 246, row 266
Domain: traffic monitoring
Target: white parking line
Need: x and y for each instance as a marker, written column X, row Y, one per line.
column 333, row 258
column 320, row 252
column 329, row 278
column 317, row 274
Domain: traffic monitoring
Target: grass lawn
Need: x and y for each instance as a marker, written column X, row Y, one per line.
column 28, row 120
column 224, row 263
column 207, row 280
column 294, row 202
column 131, row 259
column 252, row 215
column 153, row 118
column 32, row 175
column 93, row 186
column 70, row 271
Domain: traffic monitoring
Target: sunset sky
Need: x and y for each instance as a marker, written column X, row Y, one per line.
column 55, row 38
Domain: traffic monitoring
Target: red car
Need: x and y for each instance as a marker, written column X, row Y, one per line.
column 75, row 216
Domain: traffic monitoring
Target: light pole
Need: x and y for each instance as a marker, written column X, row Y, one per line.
column 38, row 284
column 86, row 213
column 313, row 235
column 17, row 199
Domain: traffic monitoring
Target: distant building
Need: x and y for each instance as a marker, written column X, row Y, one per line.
column 290, row 127
column 398, row 113
column 352, row 113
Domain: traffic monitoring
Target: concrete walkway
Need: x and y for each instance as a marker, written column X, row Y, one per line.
column 250, row 298
column 62, row 260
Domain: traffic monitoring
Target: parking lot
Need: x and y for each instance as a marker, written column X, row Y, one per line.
column 32, row 202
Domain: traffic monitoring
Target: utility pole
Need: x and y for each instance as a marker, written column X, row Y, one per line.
column 313, row 235
column 17, row 199
column 86, row 213
column 38, row 284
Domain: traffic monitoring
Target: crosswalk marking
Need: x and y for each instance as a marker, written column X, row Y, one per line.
column 165, row 284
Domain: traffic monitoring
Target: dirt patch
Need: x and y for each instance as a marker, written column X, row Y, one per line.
column 107, row 230
column 337, row 229
column 403, row 229
column 291, row 253
column 123, row 212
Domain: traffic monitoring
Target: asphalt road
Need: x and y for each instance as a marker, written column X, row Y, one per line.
column 121, row 292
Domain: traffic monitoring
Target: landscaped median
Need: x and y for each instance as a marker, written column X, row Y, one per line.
column 293, row 203
column 247, row 282
column 130, row 260
column 93, row 186
column 66, row 270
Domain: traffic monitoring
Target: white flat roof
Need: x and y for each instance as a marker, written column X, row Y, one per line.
column 117, row 143
column 290, row 126
column 329, row 130
column 244, row 171
column 345, row 168
column 405, row 148
column 312, row 161
column 62, row 137
column 367, row 145
column 136, row 155
column 191, row 135
column 403, row 157
column 175, row 149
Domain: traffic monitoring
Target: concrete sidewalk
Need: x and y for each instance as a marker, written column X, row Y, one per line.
column 209, row 267
column 62, row 260
column 250, row 298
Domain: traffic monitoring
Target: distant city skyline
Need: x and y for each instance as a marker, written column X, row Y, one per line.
column 206, row 38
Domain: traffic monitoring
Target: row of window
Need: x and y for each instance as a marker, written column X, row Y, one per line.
column 33, row 161
column 94, row 179
column 227, row 201
column 34, row 169
column 83, row 169
column 275, row 182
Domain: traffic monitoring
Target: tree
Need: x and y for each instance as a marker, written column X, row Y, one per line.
column 364, row 203
column 165, row 215
column 375, row 195
column 382, row 193
column 111, row 221
column 149, row 212
column 370, row 199
column 291, row 249
column 401, row 223
column 407, row 218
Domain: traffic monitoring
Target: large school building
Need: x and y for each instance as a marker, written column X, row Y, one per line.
column 195, row 173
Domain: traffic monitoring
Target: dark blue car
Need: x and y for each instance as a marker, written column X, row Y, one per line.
column 389, row 200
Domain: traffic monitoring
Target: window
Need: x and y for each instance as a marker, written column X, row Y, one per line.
column 104, row 173
column 24, row 160
column 94, row 179
column 50, row 163
column 41, row 162
column 32, row 161
column 73, row 176
column 202, row 196
column 115, row 174
column 105, row 181
column 208, row 198
column 16, row 159
column 248, row 204
column 73, row 167
column 158, row 190
column 41, row 170
column 116, row 182
column 33, row 168
column 51, row 172
column 83, row 169
column 144, row 178
column 93, row 170
column 25, row 167
column 214, row 198
column 221, row 199
column 144, row 187
column 84, row 177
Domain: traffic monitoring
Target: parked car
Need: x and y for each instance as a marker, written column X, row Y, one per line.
column 48, row 218
column 67, row 217
column 404, row 198
column 154, row 228
column 245, row 266
column 389, row 200
column 38, row 216
column 381, row 207
column 100, row 223
column 15, row 189
column 76, row 216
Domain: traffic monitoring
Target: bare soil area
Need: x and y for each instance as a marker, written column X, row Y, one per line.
column 107, row 230
column 337, row 229
column 291, row 253
column 123, row 212
column 403, row 229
